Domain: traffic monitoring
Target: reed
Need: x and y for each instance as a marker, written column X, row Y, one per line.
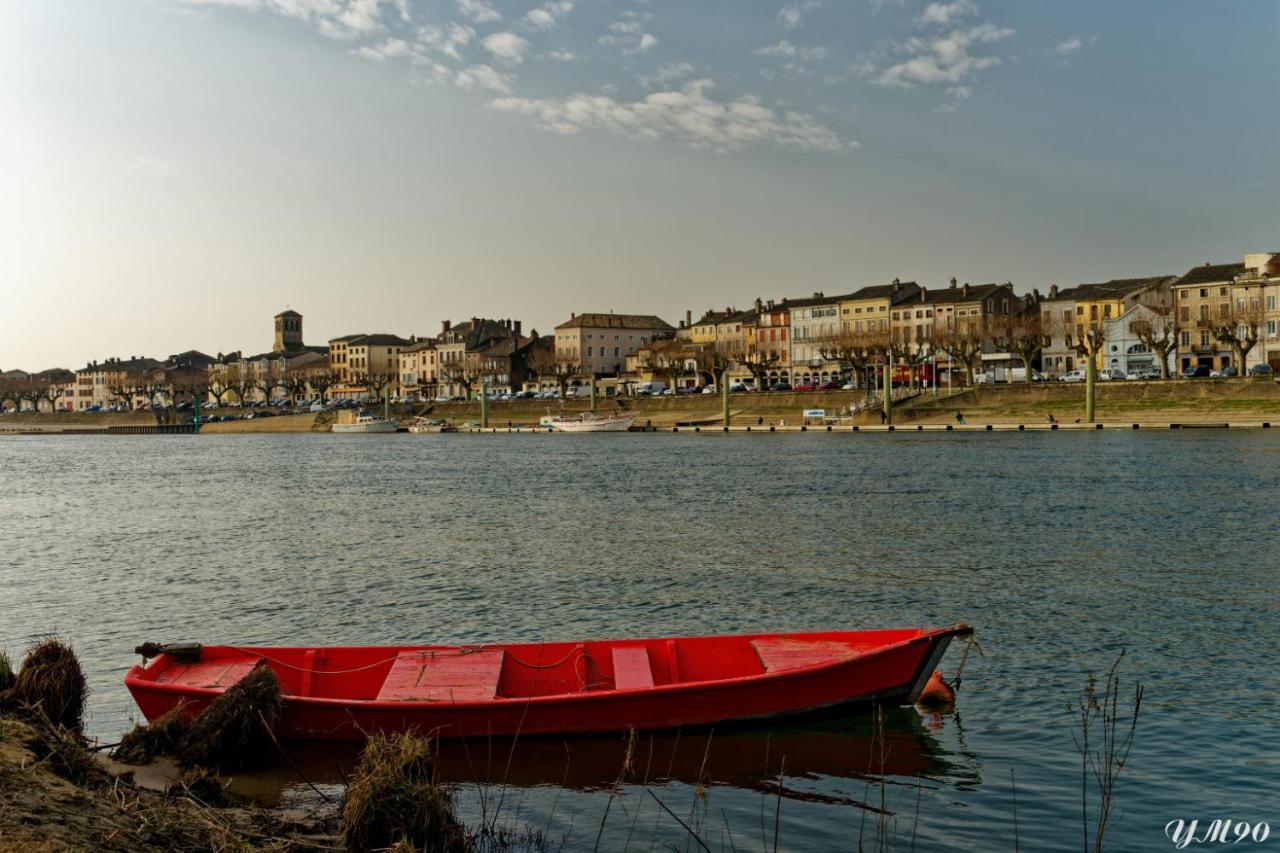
column 394, row 798
column 1104, row 736
column 235, row 731
column 52, row 682
column 164, row 736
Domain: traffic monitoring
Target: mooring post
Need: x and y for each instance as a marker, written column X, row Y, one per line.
column 593, row 392
column 195, row 401
column 484, row 404
column 888, row 391
column 724, row 395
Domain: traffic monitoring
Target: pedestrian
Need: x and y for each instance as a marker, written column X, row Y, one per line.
column 760, row 421
column 883, row 418
column 960, row 418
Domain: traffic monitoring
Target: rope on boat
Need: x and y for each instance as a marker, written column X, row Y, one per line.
column 462, row 650
column 973, row 643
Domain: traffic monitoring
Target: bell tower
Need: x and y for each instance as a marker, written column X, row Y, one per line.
column 288, row 332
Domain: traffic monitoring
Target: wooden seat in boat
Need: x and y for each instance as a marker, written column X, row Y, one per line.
column 778, row 653
column 631, row 669
column 444, row 676
column 209, row 673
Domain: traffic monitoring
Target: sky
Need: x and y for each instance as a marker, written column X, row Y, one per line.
column 173, row 173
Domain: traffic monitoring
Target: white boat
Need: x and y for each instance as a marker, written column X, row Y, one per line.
column 365, row 423
column 421, row 425
column 589, row 422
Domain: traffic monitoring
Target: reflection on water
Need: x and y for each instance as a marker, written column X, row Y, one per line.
column 1060, row 548
column 898, row 746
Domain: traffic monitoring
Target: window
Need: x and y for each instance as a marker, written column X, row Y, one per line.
column 1222, row 291
column 1204, row 339
column 1271, row 303
column 588, row 350
column 1271, row 328
column 1204, row 292
column 1184, row 313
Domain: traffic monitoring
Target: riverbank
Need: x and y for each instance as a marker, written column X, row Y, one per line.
column 1149, row 404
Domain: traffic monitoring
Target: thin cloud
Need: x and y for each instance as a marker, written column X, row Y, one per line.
column 1073, row 45
column 337, row 19
column 507, row 48
column 947, row 59
column 482, row 77
column 692, row 116
column 945, row 14
column 792, row 15
column 546, row 16
column 786, row 48
column 478, row 11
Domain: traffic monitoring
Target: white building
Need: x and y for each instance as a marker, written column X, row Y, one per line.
column 1124, row 349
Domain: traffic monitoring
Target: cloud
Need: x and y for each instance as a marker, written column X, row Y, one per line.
column 691, row 116
column 630, row 33
column 337, row 19
column 507, row 48
column 1072, row 45
column 478, row 11
column 792, row 15
column 944, row 14
column 945, row 59
column 786, row 48
column 392, row 48
column 448, row 42
column 482, row 77
column 561, row 55
column 546, row 16
column 667, row 74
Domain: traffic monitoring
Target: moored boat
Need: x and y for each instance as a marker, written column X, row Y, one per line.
column 428, row 425
column 590, row 422
column 343, row 692
column 364, row 423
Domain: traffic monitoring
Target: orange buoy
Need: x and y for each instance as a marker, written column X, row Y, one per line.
column 937, row 693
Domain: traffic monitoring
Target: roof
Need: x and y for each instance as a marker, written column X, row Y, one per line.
column 125, row 364
column 288, row 312
column 346, row 338
column 1210, row 273
column 807, row 301
column 424, row 344
column 713, row 317
column 977, row 292
column 1117, row 288
column 53, row 374
column 616, row 321
column 898, row 291
column 741, row 316
column 376, row 339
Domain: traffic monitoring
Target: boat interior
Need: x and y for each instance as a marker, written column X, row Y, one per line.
column 490, row 672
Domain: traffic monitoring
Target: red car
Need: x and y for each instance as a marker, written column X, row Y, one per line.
column 807, row 387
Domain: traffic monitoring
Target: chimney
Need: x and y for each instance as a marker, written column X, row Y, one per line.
column 688, row 318
column 759, row 305
column 516, row 327
column 953, row 281
column 573, row 316
column 965, row 290
column 817, row 294
column 447, row 324
column 1053, row 291
column 924, row 291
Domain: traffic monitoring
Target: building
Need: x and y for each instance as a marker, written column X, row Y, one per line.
column 365, row 365
column 815, row 323
column 600, row 343
column 116, row 381
column 1066, row 315
column 419, row 373
column 1242, row 297
column 922, row 326
column 308, row 375
column 1124, row 347
column 459, row 363
column 867, row 311
column 288, row 332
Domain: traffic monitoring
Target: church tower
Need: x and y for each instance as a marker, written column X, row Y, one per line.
column 288, row 332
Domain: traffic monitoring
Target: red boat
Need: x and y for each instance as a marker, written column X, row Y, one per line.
column 342, row 693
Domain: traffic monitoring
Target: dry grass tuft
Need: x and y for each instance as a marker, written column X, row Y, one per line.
column 6, row 671
column 162, row 737
column 52, row 682
column 235, row 730
column 395, row 800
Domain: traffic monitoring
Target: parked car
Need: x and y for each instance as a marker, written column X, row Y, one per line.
column 1260, row 370
column 848, row 386
column 780, row 386
column 739, row 388
column 830, row 386
column 1109, row 373
column 1229, row 372
column 708, row 389
column 1197, row 371
column 1144, row 373
column 808, row 386
column 1073, row 376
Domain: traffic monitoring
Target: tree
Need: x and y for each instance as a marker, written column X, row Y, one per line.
column 853, row 351
column 1025, row 336
column 1239, row 327
column 377, row 383
column 217, row 389
column 758, row 363
column 10, row 391
column 1159, row 334
column 964, row 343
column 52, row 393
column 713, row 361
column 671, row 360
column 1089, row 341
column 320, row 382
column 456, row 373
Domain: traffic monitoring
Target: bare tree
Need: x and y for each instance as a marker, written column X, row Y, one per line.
column 964, row 344
column 713, row 361
column 320, row 383
column 1158, row 334
column 377, row 383
column 217, row 389
column 1239, row 327
column 758, row 363
column 52, row 393
column 1025, row 336
column 672, row 361
column 1090, row 338
column 853, row 351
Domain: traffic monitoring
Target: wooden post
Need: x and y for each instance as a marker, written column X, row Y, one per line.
column 888, row 391
column 484, row 404
column 724, row 395
column 593, row 392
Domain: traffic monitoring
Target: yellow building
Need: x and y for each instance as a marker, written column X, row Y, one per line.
column 867, row 310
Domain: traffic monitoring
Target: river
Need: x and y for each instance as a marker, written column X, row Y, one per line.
column 1061, row 549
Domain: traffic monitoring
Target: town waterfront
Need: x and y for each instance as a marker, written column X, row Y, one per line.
column 1061, row 550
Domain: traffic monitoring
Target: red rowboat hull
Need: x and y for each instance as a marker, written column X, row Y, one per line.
column 343, row 693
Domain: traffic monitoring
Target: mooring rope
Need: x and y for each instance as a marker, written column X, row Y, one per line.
column 973, row 643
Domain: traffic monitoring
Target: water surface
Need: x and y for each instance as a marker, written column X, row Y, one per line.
column 1062, row 549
